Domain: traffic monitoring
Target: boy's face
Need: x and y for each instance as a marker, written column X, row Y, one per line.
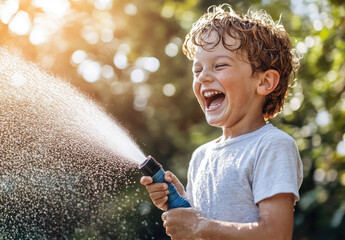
column 224, row 85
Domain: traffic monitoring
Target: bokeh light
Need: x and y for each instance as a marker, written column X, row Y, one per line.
column 143, row 90
column 131, row 9
column 323, row 118
column 318, row 25
column 139, row 103
column 57, row 8
column 138, row 75
column 8, row 9
column 108, row 71
column 171, row 49
column 118, row 88
column 103, row 4
column 90, row 70
column 90, row 35
column 167, row 11
column 38, row 35
column 341, row 148
column 150, row 64
column 107, row 35
column 309, row 41
column 301, row 47
column 169, row 90
column 78, row 56
column 120, row 61
column 295, row 104
column 20, row 23
column 319, row 175
column 332, row 76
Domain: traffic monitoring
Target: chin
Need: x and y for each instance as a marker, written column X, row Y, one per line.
column 213, row 123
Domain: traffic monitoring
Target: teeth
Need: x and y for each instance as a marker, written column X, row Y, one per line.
column 211, row 93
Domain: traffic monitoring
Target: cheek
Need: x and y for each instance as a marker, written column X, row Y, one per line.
column 196, row 88
column 233, row 86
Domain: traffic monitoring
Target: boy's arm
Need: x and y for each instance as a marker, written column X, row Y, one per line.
column 275, row 222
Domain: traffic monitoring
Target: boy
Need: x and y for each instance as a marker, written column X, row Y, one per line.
column 244, row 184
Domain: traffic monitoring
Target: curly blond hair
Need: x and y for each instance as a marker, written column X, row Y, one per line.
column 263, row 42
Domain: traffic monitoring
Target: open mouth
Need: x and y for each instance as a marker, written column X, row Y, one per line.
column 213, row 99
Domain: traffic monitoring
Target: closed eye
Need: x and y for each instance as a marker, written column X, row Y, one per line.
column 221, row 65
column 197, row 71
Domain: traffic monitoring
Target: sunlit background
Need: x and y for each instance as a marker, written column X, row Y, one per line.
column 126, row 55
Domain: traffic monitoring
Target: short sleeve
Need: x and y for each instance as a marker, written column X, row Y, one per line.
column 189, row 184
column 191, row 175
column 277, row 168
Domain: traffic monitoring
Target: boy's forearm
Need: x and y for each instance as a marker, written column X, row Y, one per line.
column 275, row 222
column 214, row 230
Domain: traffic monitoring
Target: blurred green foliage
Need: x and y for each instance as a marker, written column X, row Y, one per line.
column 158, row 107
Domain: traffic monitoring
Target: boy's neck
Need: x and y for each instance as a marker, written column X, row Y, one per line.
column 241, row 128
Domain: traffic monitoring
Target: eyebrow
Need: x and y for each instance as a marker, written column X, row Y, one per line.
column 216, row 57
column 224, row 56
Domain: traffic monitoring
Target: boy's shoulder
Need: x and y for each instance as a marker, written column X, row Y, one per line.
column 202, row 148
column 274, row 134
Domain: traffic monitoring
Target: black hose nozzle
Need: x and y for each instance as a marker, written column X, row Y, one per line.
column 150, row 167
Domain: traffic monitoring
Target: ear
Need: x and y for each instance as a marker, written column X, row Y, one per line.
column 268, row 82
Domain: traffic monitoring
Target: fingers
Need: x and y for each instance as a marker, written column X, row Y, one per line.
column 180, row 223
column 161, row 203
column 158, row 192
column 156, row 187
column 164, row 216
column 146, row 180
column 169, row 176
column 159, row 198
column 159, row 195
column 168, row 229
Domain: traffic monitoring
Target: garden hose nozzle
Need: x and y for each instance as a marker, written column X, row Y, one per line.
column 150, row 167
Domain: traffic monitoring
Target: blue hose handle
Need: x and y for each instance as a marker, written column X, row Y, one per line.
column 175, row 200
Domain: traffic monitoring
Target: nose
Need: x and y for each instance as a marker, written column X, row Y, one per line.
column 205, row 76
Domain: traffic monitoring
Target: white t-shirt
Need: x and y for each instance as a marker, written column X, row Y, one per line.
column 226, row 180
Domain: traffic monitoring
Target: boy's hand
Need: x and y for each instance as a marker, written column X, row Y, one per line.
column 159, row 191
column 183, row 223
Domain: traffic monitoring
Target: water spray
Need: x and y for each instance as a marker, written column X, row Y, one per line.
column 150, row 167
